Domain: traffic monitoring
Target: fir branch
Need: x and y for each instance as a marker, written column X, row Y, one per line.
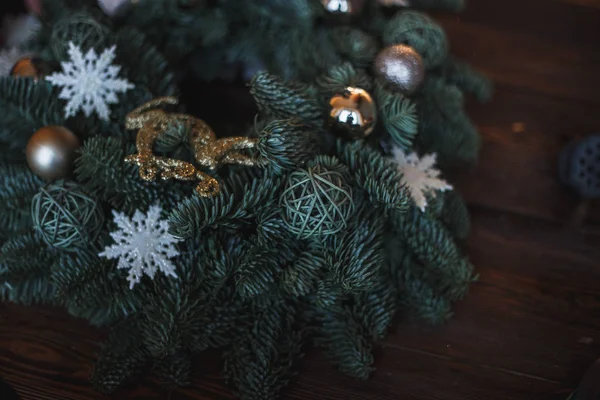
column 420, row 32
column 418, row 297
column 303, row 276
column 329, row 292
column 445, row 129
column 258, row 273
column 376, row 306
column 459, row 73
column 340, row 77
column 142, row 62
column 456, row 215
column 398, row 116
column 344, row 342
column 376, row 175
column 432, row 244
column 283, row 100
column 122, row 357
column 102, row 171
column 174, row 370
column 270, row 227
column 287, row 145
column 260, row 361
column 26, row 106
column 357, row 254
column 93, row 288
column 355, row 45
column 238, row 200
column 25, row 262
column 18, row 185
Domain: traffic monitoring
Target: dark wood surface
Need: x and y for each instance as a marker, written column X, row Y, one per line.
column 531, row 325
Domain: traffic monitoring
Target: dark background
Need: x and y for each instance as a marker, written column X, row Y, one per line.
column 531, row 325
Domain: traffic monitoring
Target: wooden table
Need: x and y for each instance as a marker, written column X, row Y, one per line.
column 531, row 325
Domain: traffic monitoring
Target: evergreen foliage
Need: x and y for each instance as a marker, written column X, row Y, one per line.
column 318, row 242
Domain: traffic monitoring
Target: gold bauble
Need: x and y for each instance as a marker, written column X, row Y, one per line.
column 353, row 112
column 51, row 151
column 344, row 7
column 401, row 67
column 28, row 67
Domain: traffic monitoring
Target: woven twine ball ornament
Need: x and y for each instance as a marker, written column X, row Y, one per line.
column 83, row 31
column 316, row 202
column 579, row 166
column 65, row 217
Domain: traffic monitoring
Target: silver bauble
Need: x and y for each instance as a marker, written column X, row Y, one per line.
column 353, row 112
column 51, row 151
column 401, row 67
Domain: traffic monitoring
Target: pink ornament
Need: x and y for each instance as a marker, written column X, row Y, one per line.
column 35, row 6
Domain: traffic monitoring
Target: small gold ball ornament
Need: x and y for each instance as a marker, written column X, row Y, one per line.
column 353, row 112
column 344, row 7
column 401, row 67
column 50, row 152
column 28, row 67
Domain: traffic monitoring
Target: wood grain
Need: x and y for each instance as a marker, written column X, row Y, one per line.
column 531, row 325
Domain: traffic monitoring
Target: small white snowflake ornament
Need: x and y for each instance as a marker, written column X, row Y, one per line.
column 420, row 176
column 143, row 245
column 90, row 82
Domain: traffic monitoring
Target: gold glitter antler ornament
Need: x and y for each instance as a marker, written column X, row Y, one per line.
column 208, row 151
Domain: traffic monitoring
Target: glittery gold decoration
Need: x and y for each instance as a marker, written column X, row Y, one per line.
column 208, row 150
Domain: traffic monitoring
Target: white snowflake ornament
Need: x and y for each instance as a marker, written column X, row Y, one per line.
column 90, row 82
column 420, row 176
column 143, row 245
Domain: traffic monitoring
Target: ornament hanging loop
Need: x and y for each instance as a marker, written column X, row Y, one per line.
column 152, row 122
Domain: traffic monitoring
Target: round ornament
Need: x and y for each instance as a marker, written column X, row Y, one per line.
column 50, row 152
column 28, row 67
column 353, row 112
column 344, row 7
column 80, row 29
column 116, row 8
column 420, row 32
column 579, row 166
column 65, row 216
column 401, row 67
column 316, row 202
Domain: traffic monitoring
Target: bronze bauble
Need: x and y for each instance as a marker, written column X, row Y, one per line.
column 28, row 67
column 51, row 151
column 353, row 112
column 344, row 7
column 401, row 68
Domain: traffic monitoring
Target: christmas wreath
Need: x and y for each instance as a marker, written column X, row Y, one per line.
column 318, row 222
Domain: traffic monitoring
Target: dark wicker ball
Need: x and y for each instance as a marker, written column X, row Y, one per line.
column 579, row 166
column 80, row 29
column 316, row 202
column 66, row 217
